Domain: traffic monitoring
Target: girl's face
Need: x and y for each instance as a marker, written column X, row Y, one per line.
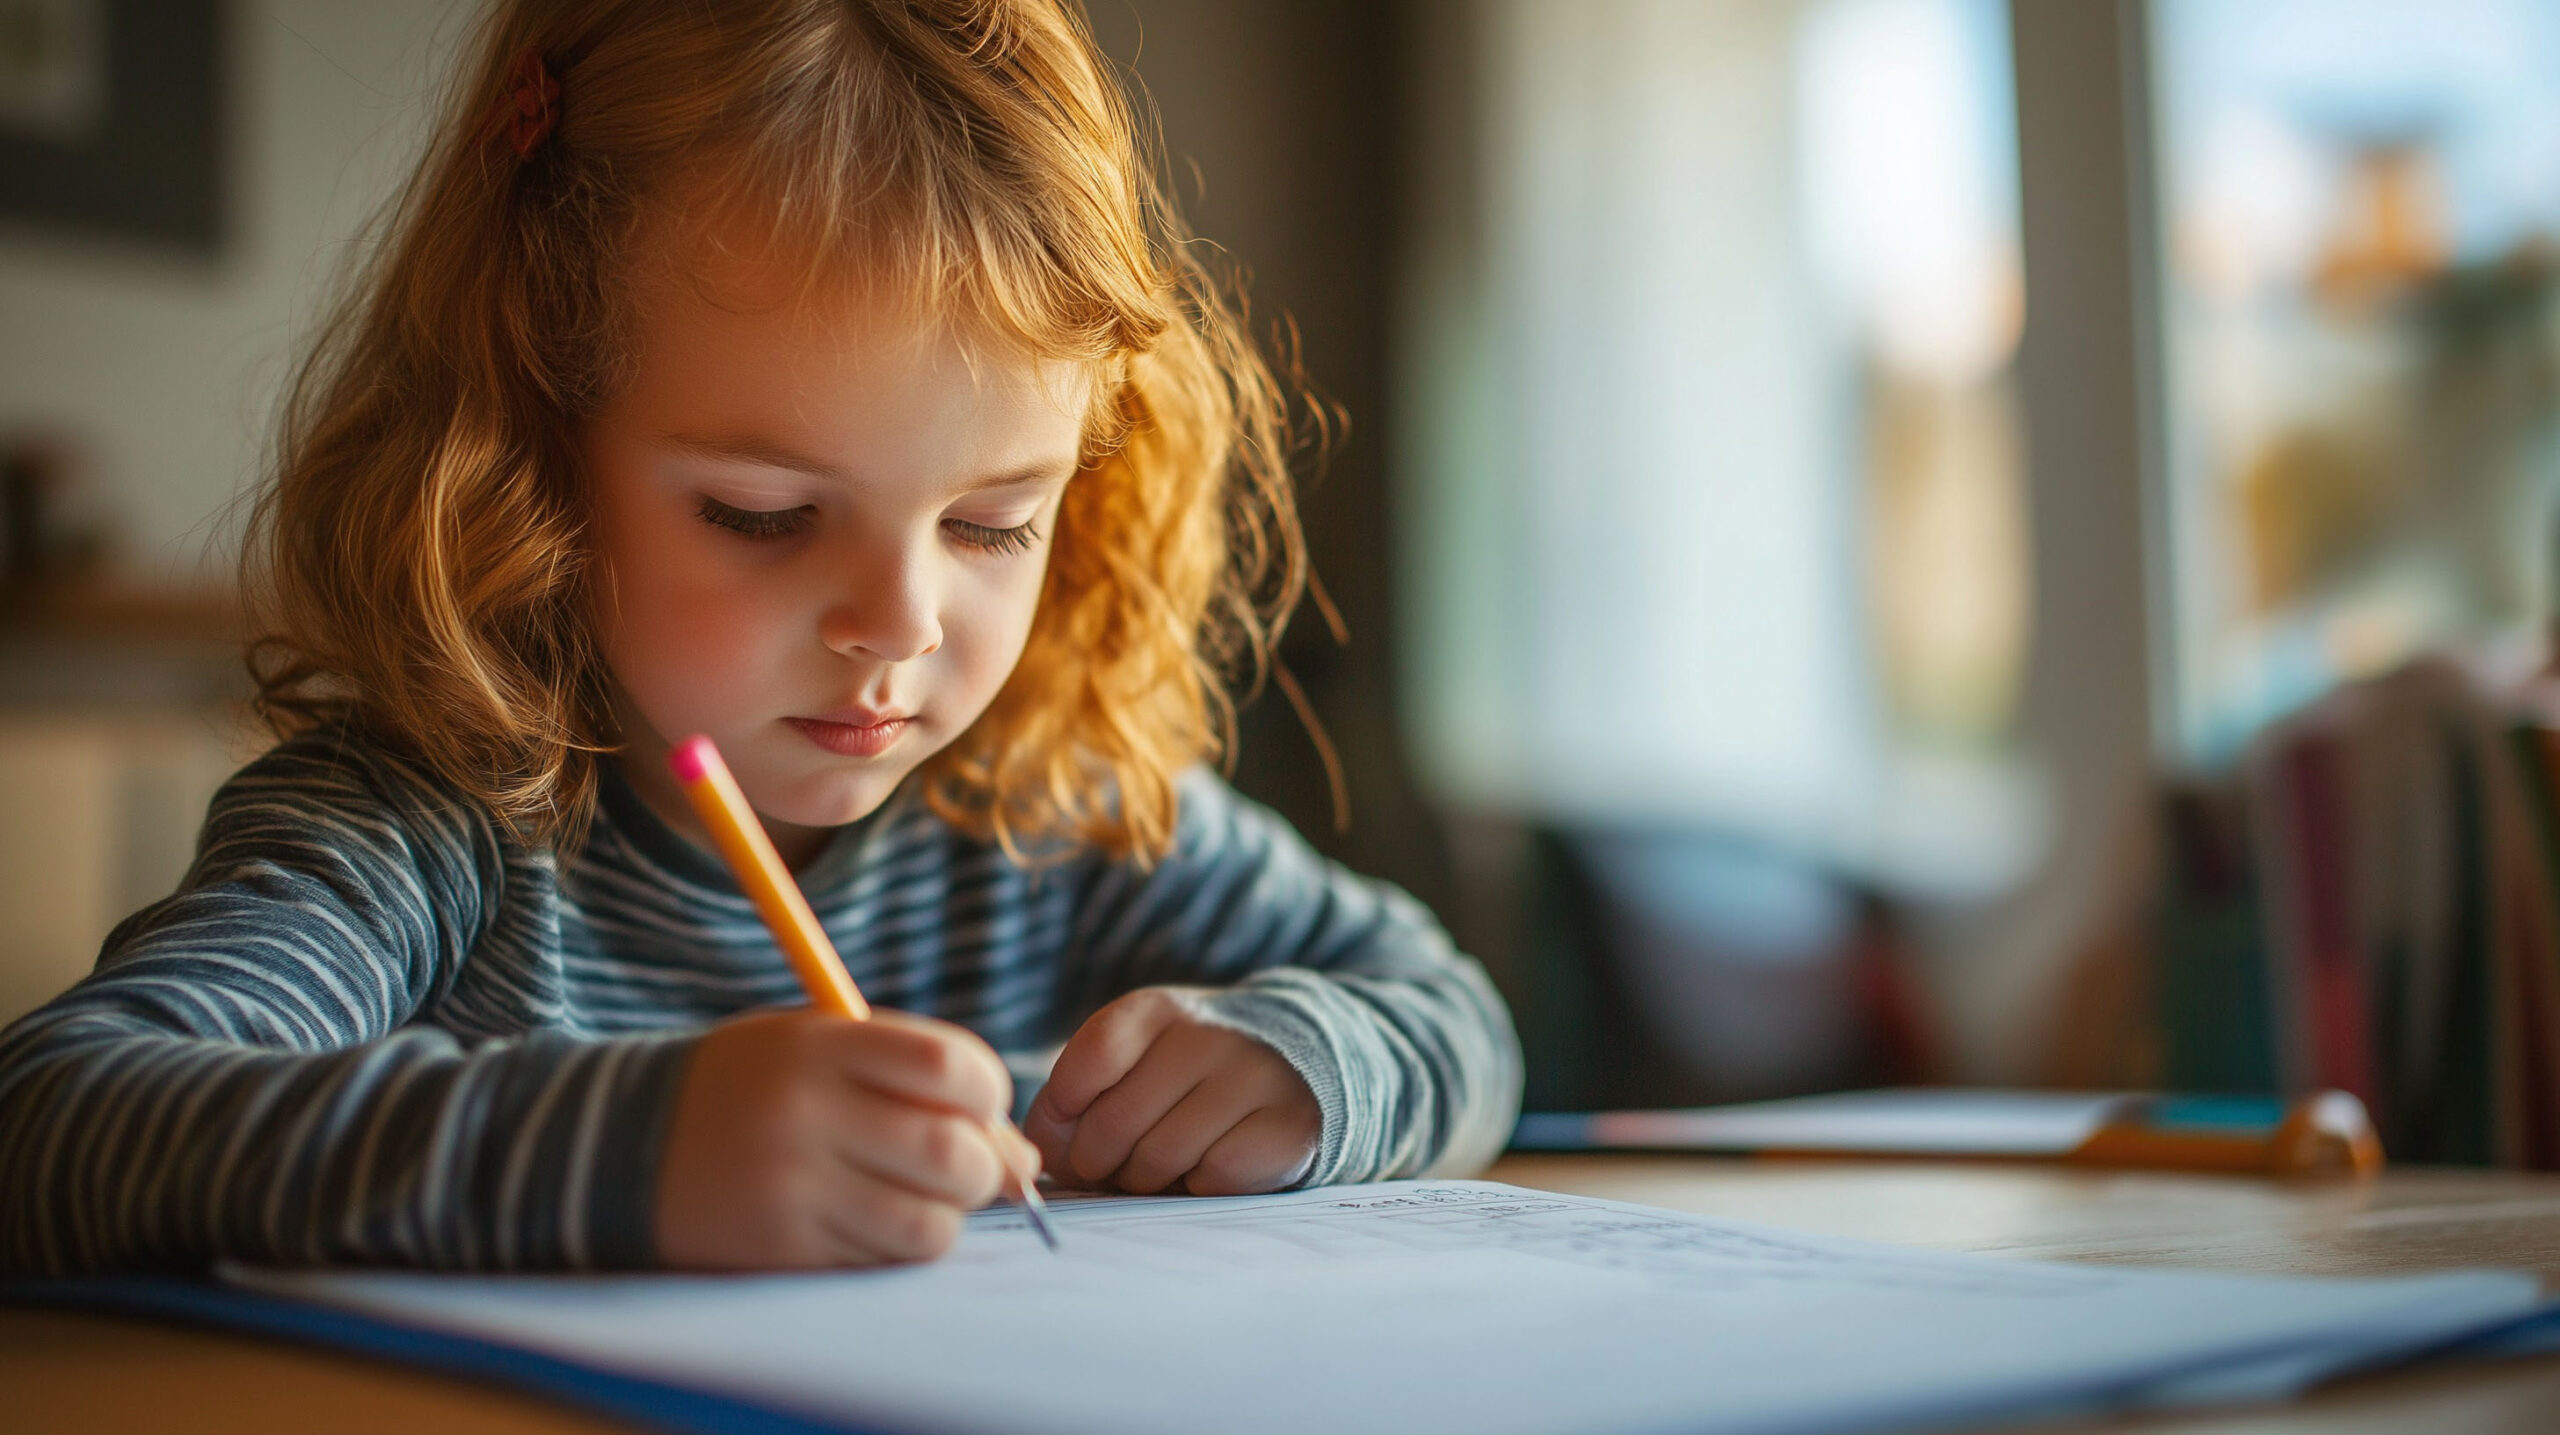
column 822, row 532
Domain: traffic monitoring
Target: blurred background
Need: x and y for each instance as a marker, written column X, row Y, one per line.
column 1882, row 540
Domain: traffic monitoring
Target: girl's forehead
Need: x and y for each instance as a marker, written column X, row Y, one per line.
column 747, row 278
column 739, row 343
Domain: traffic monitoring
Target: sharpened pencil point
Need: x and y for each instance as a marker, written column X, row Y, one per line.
column 1038, row 1210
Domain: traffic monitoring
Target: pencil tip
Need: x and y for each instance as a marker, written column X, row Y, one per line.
column 1038, row 1210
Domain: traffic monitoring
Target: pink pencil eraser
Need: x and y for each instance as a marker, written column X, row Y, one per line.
column 693, row 759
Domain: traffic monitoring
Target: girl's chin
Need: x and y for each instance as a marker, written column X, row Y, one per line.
column 832, row 800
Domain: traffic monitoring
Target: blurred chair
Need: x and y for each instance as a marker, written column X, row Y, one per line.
column 1680, row 968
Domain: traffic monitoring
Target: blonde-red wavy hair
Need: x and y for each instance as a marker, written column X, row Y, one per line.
column 420, row 560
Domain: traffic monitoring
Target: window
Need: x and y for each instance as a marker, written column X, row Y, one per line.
column 2358, row 211
column 1718, row 514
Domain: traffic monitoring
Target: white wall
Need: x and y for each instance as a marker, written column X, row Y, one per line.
column 164, row 369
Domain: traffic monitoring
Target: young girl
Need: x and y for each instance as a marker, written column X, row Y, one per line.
column 825, row 376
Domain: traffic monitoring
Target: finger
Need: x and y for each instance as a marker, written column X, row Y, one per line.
column 1110, row 1127
column 875, row 1222
column 1020, row 1156
column 838, row 1217
column 1175, row 1144
column 1104, row 1049
column 1265, row 1151
column 844, row 1244
column 1051, row 1137
column 933, row 1152
column 927, row 1061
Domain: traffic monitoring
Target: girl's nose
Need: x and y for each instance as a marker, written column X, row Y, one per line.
column 886, row 609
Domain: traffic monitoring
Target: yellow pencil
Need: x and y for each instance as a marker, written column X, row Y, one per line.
column 749, row 851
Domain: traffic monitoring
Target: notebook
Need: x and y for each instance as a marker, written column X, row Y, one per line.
column 1449, row 1305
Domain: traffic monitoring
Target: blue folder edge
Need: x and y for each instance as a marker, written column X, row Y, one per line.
column 628, row 1397
column 686, row 1409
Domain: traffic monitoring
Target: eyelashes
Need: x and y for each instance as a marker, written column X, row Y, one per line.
column 1017, row 539
column 757, row 522
column 787, row 522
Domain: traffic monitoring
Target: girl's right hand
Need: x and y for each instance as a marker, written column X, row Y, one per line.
column 803, row 1139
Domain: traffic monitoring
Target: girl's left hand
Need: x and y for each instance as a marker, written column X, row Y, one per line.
column 1148, row 1098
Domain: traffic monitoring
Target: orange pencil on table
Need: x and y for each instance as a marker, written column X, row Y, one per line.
column 749, row 852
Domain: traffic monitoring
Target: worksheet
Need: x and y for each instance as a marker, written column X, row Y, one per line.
column 1437, row 1305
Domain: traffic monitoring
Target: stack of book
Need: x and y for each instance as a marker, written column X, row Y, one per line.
column 2375, row 906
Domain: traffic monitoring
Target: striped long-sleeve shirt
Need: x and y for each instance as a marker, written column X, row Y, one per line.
column 372, row 1027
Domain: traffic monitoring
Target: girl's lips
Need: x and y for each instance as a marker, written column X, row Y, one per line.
column 846, row 739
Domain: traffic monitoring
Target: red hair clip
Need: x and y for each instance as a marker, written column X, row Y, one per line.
column 531, row 108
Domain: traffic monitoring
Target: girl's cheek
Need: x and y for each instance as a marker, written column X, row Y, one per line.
column 682, row 605
column 719, row 621
column 1011, row 629
column 1001, row 601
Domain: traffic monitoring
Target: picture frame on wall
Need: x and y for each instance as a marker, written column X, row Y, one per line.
column 112, row 119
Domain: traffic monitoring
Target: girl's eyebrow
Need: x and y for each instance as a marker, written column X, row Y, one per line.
column 750, row 450
column 1037, row 471
column 762, row 452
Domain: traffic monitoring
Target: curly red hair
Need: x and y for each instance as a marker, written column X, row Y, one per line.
column 420, row 560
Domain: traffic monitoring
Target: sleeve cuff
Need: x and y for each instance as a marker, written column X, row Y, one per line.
column 1265, row 1009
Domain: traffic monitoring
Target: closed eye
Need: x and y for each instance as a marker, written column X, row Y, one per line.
column 757, row 522
column 1017, row 539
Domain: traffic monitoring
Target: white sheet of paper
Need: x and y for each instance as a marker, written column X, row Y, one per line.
column 1445, row 1305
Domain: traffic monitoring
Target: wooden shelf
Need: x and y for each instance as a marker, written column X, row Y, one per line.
column 121, row 647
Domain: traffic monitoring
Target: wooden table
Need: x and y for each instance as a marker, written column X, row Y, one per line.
column 82, row 1373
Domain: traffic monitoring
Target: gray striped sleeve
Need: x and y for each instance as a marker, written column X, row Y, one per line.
column 1409, row 1052
column 239, row 1077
